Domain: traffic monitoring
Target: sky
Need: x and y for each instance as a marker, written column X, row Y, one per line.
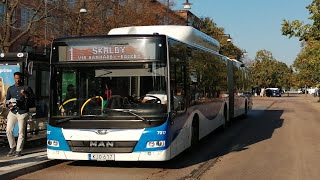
column 255, row 24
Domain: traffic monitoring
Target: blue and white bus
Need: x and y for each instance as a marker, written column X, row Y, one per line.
column 142, row 93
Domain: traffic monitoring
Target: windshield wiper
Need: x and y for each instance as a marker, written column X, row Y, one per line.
column 64, row 120
column 130, row 111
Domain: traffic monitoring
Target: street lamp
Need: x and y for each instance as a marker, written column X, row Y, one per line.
column 244, row 52
column 45, row 26
column 229, row 39
column 82, row 11
column 244, row 55
column 167, row 13
column 187, row 5
column 83, row 8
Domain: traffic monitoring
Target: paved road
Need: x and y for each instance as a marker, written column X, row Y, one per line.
column 279, row 140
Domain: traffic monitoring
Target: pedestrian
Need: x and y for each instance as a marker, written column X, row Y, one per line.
column 19, row 99
column 262, row 92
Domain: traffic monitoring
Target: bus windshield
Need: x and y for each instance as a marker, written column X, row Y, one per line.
column 111, row 91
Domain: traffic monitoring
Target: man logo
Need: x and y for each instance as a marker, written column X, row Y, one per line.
column 101, row 132
column 101, row 144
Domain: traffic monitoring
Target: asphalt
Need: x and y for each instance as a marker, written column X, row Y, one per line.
column 34, row 155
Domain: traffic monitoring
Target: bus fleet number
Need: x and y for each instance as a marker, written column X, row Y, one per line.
column 161, row 132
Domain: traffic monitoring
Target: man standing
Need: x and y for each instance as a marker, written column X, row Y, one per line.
column 19, row 99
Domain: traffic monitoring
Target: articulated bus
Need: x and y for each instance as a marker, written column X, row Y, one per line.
column 141, row 93
column 35, row 69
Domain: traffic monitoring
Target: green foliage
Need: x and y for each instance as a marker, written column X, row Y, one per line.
column 304, row 32
column 268, row 72
column 227, row 48
column 231, row 51
column 296, row 29
column 211, row 28
column 307, row 64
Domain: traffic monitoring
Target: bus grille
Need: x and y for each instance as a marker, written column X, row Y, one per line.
column 102, row 146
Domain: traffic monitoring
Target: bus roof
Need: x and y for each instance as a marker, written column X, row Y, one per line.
column 186, row 34
column 237, row 62
column 22, row 56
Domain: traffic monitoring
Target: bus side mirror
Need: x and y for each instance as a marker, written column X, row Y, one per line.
column 177, row 103
column 30, row 68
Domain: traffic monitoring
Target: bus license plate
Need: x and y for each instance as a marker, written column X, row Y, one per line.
column 102, row 157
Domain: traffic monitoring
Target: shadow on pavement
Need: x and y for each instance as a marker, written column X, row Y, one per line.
column 30, row 147
column 257, row 127
column 22, row 160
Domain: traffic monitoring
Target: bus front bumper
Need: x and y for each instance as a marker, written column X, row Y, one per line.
column 162, row 155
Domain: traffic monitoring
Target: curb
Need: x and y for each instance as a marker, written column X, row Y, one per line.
column 28, row 169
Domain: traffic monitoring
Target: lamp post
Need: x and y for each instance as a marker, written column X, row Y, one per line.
column 227, row 47
column 82, row 11
column 244, row 56
column 244, row 53
column 187, row 7
column 167, row 13
column 229, row 39
column 45, row 26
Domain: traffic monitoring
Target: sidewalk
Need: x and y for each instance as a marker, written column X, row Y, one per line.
column 34, row 157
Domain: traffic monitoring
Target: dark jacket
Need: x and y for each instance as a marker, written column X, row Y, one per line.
column 22, row 103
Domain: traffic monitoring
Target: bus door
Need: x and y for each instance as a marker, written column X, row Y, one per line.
column 37, row 77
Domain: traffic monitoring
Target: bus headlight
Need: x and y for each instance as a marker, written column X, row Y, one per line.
column 53, row 143
column 156, row 144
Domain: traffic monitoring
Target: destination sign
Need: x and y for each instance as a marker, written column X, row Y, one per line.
column 112, row 52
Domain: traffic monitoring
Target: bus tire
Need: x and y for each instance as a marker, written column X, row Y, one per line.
column 195, row 131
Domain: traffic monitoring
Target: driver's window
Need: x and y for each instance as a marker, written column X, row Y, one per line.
column 178, row 87
column 68, row 86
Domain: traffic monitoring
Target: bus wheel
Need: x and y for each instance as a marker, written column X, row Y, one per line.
column 195, row 131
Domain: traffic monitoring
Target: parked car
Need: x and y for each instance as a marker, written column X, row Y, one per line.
column 273, row 92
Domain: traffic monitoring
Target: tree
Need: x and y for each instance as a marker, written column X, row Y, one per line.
column 303, row 31
column 226, row 48
column 47, row 20
column 143, row 12
column 307, row 64
column 268, row 72
column 12, row 29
